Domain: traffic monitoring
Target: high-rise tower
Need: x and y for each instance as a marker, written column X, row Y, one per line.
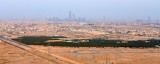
column 104, row 18
column 70, row 15
column 149, row 19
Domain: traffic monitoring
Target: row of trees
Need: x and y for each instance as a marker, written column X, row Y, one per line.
column 41, row 40
column 110, row 43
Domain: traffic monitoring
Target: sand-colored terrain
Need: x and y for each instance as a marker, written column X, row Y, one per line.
column 106, row 55
column 83, row 55
column 12, row 55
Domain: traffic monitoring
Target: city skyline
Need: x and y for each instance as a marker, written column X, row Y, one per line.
column 114, row 10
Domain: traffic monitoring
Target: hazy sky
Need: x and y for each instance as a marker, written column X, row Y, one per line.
column 116, row 9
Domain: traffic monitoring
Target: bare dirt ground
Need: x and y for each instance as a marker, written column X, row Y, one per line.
column 93, row 55
column 83, row 55
column 12, row 55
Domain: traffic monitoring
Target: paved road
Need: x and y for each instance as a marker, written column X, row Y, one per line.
column 55, row 59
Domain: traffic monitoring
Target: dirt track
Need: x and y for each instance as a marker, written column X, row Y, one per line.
column 54, row 59
column 86, row 55
column 12, row 55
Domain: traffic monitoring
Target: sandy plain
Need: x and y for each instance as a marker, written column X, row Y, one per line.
column 13, row 55
column 85, row 55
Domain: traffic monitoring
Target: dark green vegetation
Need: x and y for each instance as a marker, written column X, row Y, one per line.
column 41, row 40
column 36, row 40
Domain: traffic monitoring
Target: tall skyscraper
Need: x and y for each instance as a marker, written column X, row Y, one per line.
column 149, row 19
column 104, row 18
column 70, row 15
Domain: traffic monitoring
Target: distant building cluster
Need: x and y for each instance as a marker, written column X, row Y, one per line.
column 71, row 17
column 103, row 30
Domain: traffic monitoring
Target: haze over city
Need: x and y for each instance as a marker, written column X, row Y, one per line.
column 90, row 9
column 79, row 32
